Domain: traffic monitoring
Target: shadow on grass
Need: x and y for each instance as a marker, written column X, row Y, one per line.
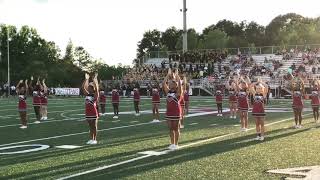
column 184, row 155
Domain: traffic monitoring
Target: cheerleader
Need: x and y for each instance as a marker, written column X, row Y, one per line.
column 186, row 98
column 243, row 102
column 231, row 86
column 136, row 100
column 115, row 102
column 36, row 99
column 219, row 99
column 172, row 87
column 22, row 91
column 155, row 102
column 102, row 99
column 44, row 101
column 297, row 87
column 315, row 102
column 182, row 102
column 259, row 91
column 91, row 90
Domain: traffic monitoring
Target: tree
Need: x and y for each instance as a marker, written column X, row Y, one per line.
column 214, row 39
column 192, row 40
column 170, row 37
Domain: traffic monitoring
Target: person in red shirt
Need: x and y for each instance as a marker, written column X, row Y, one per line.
column 36, row 99
column 115, row 102
column 136, row 100
column 219, row 99
column 259, row 91
column 22, row 91
column 91, row 90
column 231, row 86
column 243, row 102
column 172, row 87
column 155, row 102
column 298, row 91
column 182, row 101
column 315, row 99
column 44, row 101
column 102, row 99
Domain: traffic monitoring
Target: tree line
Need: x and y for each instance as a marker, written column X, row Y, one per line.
column 31, row 55
column 283, row 30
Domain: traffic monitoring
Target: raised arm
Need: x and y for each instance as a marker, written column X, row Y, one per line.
column 27, row 86
column 18, row 86
column 85, row 84
column 45, row 88
column 96, row 85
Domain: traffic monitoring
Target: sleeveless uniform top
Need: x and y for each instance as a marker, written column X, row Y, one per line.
column 44, row 98
column 173, row 106
column 102, row 98
column 315, row 102
column 243, row 103
column 297, row 100
column 36, row 100
column 91, row 107
column 155, row 96
column 115, row 96
column 232, row 96
column 219, row 96
column 136, row 95
column 22, row 105
column 186, row 96
column 258, row 106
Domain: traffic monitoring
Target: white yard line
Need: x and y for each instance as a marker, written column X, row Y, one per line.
column 164, row 152
column 101, row 130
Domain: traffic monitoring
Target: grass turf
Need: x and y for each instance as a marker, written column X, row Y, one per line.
column 232, row 157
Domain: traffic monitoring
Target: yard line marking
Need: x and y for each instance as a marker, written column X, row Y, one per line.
column 105, row 167
column 115, row 121
column 164, row 152
column 101, row 130
column 68, row 147
column 213, row 124
column 192, row 124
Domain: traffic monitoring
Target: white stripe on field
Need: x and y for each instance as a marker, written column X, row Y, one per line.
column 163, row 152
column 101, row 130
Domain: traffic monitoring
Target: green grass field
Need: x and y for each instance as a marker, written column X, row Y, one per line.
column 204, row 152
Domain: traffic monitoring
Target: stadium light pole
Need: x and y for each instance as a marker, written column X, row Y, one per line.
column 185, row 33
column 8, row 45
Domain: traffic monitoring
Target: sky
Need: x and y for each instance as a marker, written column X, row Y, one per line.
column 111, row 29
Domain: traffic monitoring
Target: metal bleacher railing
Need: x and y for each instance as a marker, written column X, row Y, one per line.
column 234, row 51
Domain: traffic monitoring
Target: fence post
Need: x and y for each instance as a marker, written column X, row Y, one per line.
column 272, row 50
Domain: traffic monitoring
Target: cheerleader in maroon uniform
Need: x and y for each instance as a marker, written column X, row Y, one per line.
column 315, row 102
column 172, row 87
column 136, row 100
column 231, row 86
column 219, row 99
column 102, row 99
column 36, row 99
column 44, row 101
column 259, row 91
column 243, row 102
column 22, row 91
column 115, row 102
column 91, row 90
column 297, row 103
column 186, row 98
column 155, row 102
column 182, row 102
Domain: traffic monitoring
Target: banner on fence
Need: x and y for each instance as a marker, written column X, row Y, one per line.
column 67, row 91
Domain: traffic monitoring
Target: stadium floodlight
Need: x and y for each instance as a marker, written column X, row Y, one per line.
column 8, row 47
column 185, row 33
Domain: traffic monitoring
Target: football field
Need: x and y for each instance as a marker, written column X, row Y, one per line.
column 133, row 147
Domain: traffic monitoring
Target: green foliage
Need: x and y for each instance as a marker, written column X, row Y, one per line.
column 284, row 30
column 31, row 55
